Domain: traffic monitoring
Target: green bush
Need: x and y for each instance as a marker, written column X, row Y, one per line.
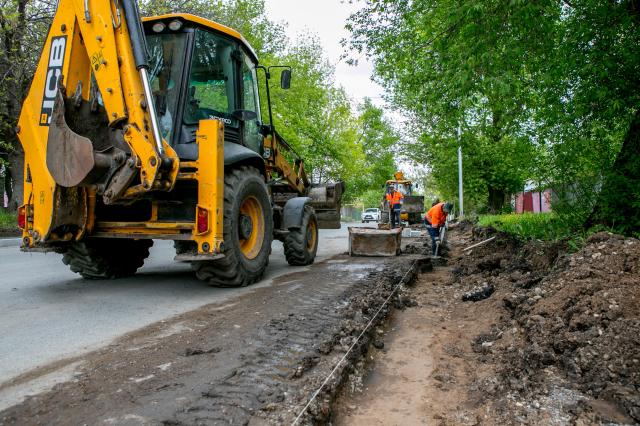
column 543, row 226
column 8, row 221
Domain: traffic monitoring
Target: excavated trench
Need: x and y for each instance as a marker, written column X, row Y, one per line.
column 554, row 342
column 256, row 360
column 511, row 332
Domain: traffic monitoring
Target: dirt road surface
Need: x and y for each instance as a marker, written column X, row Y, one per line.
column 510, row 332
column 47, row 312
column 248, row 355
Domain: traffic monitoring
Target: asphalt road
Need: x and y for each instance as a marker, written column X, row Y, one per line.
column 48, row 313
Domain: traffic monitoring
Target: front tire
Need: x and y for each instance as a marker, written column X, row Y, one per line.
column 301, row 244
column 247, row 230
column 106, row 258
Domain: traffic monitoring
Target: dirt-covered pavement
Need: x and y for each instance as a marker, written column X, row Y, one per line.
column 255, row 360
column 48, row 313
column 505, row 333
column 557, row 340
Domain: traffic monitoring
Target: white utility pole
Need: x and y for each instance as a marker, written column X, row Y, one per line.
column 460, row 194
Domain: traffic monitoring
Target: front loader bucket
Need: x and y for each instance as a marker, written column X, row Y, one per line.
column 374, row 242
column 326, row 200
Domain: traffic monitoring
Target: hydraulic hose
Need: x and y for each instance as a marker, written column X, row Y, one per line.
column 141, row 58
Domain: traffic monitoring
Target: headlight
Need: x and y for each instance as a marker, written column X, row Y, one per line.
column 175, row 25
column 158, row 27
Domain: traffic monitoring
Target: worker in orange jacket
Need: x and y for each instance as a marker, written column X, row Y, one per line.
column 436, row 218
column 394, row 198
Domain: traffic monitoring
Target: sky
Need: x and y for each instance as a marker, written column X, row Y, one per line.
column 326, row 18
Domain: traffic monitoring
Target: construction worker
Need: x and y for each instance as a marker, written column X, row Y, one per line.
column 394, row 198
column 436, row 218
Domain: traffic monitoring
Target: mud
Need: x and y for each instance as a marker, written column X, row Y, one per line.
column 255, row 361
column 567, row 326
column 581, row 323
column 557, row 342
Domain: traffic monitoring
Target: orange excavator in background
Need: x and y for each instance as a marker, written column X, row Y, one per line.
column 412, row 205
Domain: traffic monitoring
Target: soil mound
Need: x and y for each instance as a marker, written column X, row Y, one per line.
column 564, row 322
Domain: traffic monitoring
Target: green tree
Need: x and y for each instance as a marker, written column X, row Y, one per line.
column 442, row 65
column 379, row 141
column 544, row 90
column 23, row 24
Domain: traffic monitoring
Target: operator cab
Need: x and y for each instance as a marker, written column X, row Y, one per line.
column 404, row 187
column 201, row 70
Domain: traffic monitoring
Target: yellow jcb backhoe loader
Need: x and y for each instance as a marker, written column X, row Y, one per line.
column 135, row 130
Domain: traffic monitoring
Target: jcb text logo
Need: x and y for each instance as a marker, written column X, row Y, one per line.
column 54, row 71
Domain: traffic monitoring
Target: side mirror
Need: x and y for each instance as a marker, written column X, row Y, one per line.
column 244, row 115
column 285, row 79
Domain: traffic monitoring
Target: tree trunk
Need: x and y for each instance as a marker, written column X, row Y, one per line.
column 16, row 172
column 12, row 67
column 618, row 205
column 496, row 200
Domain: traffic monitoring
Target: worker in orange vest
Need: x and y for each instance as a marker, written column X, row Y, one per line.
column 436, row 218
column 394, row 198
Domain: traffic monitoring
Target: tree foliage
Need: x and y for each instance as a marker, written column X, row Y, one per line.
column 23, row 24
column 315, row 116
column 541, row 91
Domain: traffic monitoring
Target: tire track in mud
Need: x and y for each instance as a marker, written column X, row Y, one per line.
column 257, row 360
column 260, row 382
column 264, row 383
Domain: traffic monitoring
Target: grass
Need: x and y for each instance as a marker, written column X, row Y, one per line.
column 541, row 226
column 8, row 221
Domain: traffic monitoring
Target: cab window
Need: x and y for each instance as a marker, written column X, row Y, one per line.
column 211, row 90
column 165, row 63
column 252, row 136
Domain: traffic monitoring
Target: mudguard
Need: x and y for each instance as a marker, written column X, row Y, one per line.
column 238, row 154
column 293, row 212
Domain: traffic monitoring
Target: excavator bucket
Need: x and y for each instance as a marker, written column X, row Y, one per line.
column 69, row 155
column 326, row 200
column 374, row 242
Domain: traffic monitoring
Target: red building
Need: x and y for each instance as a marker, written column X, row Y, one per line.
column 533, row 201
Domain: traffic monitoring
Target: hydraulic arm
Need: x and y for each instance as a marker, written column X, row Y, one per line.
column 97, row 66
column 136, row 130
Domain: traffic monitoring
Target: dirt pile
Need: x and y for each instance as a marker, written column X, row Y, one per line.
column 567, row 326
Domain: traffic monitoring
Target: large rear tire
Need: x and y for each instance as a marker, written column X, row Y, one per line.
column 107, row 258
column 247, row 229
column 301, row 245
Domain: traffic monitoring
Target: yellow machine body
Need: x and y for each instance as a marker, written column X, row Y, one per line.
column 412, row 205
column 78, row 54
column 76, row 168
